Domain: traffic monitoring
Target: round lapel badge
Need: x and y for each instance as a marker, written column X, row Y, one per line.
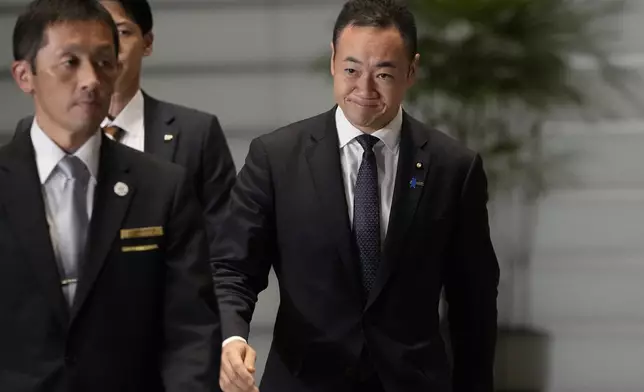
column 121, row 188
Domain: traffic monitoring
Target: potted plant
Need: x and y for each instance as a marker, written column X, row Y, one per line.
column 491, row 73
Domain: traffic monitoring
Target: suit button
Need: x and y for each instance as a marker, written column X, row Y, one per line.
column 349, row 371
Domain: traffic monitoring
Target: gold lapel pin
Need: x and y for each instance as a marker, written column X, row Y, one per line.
column 419, row 165
column 168, row 138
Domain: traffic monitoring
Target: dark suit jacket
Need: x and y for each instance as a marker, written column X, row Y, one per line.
column 198, row 144
column 143, row 320
column 288, row 210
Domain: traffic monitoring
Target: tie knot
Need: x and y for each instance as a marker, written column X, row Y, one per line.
column 113, row 131
column 74, row 168
column 367, row 142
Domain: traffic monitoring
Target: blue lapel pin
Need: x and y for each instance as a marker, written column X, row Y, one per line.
column 414, row 183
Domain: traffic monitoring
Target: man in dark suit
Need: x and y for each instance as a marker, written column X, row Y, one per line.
column 104, row 277
column 188, row 137
column 366, row 215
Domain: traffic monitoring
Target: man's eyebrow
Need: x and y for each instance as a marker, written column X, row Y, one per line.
column 382, row 64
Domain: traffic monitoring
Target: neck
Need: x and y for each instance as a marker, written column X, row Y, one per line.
column 121, row 98
column 367, row 130
column 68, row 141
column 71, row 143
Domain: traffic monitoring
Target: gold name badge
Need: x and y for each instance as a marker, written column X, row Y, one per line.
column 141, row 248
column 142, row 232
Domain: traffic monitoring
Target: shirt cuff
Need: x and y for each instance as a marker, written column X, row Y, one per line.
column 230, row 339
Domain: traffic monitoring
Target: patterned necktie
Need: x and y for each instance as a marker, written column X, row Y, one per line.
column 366, row 213
column 115, row 132
column 74, row 222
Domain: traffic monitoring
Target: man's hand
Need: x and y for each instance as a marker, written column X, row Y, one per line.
column 237, row 372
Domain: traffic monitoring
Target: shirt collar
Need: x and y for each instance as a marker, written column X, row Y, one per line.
column 389, row 134
column 131, row 117
column 48, row 154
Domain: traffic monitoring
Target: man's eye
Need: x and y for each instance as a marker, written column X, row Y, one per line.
column 69, row 62
column 105, row 63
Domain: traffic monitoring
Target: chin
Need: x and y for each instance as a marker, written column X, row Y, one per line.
column 80, row 128
column 361, row 122
column 363, row 117
column 86, row 123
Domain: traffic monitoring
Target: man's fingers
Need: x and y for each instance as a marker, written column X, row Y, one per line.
column 229, row 378
column 224, row 382
column 249, row 360
column 242, row 377
column 226, row 368
column 226, row 375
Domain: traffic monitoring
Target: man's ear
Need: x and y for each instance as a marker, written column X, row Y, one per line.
column 413, row 69
column 23, row 75
column 148, row 41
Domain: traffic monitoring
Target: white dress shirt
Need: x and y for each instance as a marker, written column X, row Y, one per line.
column 52, row 180
column 130, row 120
column 386, row 151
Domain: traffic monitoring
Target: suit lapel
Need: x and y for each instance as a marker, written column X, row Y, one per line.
column 411, row 181
column 108, row 213
column 26, row 211
column 161, row 131
column 323, row 156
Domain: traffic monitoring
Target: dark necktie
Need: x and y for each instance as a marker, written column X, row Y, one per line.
column 366, row 213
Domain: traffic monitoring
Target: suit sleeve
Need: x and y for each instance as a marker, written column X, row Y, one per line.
column 218, row 176
column 192, row 338
column 471, row 288
column 243, row 254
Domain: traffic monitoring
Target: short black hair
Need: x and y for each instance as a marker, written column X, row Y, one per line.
column 381, row 14
column 29, row 31
column 140, row 13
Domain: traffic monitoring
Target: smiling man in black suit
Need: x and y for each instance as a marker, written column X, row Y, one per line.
column 365, row 214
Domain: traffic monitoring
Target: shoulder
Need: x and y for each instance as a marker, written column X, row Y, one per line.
column 24, row 124
column 444, row 148
column 293, row 135
column 195, row 120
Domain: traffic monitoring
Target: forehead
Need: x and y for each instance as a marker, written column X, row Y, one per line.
column 117, row 11
column 372, row 41
column 85, row 34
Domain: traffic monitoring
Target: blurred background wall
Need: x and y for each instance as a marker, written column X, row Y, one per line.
column 248, row 62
